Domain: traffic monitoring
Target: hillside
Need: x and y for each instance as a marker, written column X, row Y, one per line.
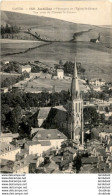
column 56, row 30
column 96, row 58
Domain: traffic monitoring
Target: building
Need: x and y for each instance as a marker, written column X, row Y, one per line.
column 75, row 110
column 69, row 118
column 37, row 147
column 60, row 73
column 53, row 135
column 95, row 40
column 8, row 137
column 23, row 69
column 8, row 151
column 97, row 82
column 4, row 90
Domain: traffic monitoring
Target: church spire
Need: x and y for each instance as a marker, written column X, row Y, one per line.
column 75, row 91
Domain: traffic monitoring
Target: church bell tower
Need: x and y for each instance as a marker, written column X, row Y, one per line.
column 75, row 110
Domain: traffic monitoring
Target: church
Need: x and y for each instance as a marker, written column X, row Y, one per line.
column 75, row 110
column 67, row 119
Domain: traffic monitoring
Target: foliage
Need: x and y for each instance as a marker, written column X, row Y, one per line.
column 69, row 66
column 77, row 163
column 12, row 80
column 91, row 116
column 9, row 29
column 15, row 118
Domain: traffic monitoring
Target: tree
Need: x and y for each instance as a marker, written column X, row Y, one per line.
column 102, row 118
column 60, row 63
column 25, row 129
column 15, row 118
column 5, row 108
column 91, row 116
column 77, row 163
column 3, row 118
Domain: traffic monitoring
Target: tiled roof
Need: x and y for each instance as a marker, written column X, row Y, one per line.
column 43, row 112
column 101, row 151
column 61, row 116
column 89, row 160
column 49, row 134
column 72, row 150
column 57, row 159
column 4, row 147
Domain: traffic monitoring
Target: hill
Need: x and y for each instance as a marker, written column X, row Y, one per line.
column 55, row 29
column 96, row 58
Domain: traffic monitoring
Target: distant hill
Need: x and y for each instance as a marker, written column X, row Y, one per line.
column 57, row 30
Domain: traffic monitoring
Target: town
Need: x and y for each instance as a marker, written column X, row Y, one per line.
column 54, row 120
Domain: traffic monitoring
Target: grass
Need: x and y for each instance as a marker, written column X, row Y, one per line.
column 17, row 46
column 55, row 29
column 42, row 84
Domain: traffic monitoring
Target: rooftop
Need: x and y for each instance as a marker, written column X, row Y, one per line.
column 89, row 160
column 49, row 134
column 43, row 112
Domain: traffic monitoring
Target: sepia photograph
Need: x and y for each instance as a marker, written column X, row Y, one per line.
column 56, row 87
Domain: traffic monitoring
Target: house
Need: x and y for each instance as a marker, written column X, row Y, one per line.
column 37, row 147
column 53, row 135
column 97, row 82
column 96, row 88
column 6, row 166
column 8, row 137
column 95, row 40
column 60, row 73
column 8, row 151
column 26, row 68
column 4, row 90
column 6, row 62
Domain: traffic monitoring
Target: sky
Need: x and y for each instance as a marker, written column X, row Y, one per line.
column 85, row 12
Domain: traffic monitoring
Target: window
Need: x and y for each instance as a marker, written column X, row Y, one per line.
column 76, row 107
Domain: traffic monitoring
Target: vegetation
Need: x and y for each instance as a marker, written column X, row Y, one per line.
column 11, row 67
column 12, row 80
column 9, row 30
column 77, row 163
column 91, row 117
column 69, row 66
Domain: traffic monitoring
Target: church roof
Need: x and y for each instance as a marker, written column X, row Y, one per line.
column 43, row 112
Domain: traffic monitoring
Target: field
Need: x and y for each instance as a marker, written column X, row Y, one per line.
column 16, row 46
column 47, row 84
column 95, row 58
